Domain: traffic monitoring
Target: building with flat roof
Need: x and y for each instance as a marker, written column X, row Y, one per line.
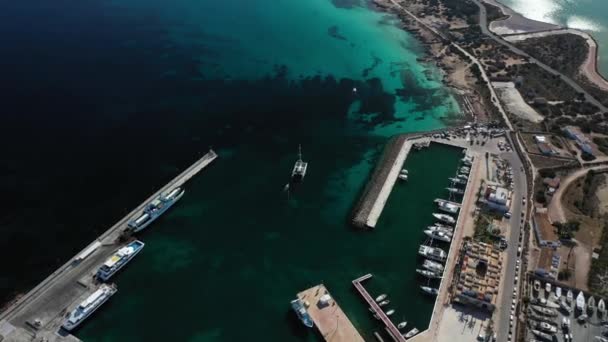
column 544, row 231
column 479, row 275
column 545, row 149
column 497, row 198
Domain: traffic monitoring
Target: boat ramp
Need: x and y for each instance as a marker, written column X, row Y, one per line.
column 331, row 322
column 39, row 314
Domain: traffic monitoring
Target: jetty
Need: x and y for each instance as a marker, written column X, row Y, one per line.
column 390, row 327
column 39, row 314
column 331, row 322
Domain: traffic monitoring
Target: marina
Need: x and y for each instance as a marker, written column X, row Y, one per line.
column 329, row 319
column 39, row 313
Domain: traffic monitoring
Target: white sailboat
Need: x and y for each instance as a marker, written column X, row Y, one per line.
column 591, row 304
column 558, row 292
column 580, row 301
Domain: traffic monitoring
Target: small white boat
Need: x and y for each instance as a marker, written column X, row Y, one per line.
column 404, row 171
column 381, row 297
column 558, row 292
column 401, row 325
column 548, row 288
column 591, row 304
column 536, row 285
column 463, row 176
column 432, row 266
column 569, row 296
column 429, row 274
column 402, row 177
column 390, row 312
column 444, row 229
column 411, row 333
column 372, row 310
column 444, row 218
column 429, row 290
column 580, row 301
column 601, row 306
column 384, row 302
column 437, row 235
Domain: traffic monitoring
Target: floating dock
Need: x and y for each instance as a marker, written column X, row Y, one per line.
column 39, row 314
column 389, row 325
column 328, row 317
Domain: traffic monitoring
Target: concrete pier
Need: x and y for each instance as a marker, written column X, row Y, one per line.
column 391, row 329
column 38, row 315
column 328, row 317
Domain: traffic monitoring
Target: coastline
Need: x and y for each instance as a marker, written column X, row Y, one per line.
column 589, row 69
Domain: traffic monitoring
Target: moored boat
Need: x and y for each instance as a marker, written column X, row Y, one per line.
column 569, row 296
column 440, row 228
column 433, row 266
column 117, row 261
column 402, row 325
column 402, row 177
column 548, row 288
column 437, row 235
column 558, row 292
column 429, row 290
column 428, row 274
column 411, row 333
column 455, row 191
column 447, row 206
column 390, row 312
column 457, row 180
column 444, row 218
column 384, row 302
column 381, row 297
column 432, row 253
column 155, row 209
column 591, row 304
column 564, row 305
column 580, row 301
column 601, row 306
column 298, row 307
column 88, row 306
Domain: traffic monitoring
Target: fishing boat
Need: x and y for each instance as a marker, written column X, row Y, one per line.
column 403, row 177
column 402, row 325
column 381, row 297
column 299, row 168
column 437, row 235
column 558, row 292
column 433, row 266
column 569, row 296
column 390, row 312
column 455, row 191
column 411, row 333
column 432, row 253
column 601, row 306
column 429, row 290
column 429, row 274
column 580, row 301
column 444, row 218
column 384, row 302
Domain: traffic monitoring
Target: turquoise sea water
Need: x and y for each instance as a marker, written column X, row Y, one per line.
column 586, row 15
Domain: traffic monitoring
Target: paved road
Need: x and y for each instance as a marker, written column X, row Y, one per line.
column 517, row 209
column 483, row 23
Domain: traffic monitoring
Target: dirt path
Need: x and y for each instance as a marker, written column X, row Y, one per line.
column 556, row 208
